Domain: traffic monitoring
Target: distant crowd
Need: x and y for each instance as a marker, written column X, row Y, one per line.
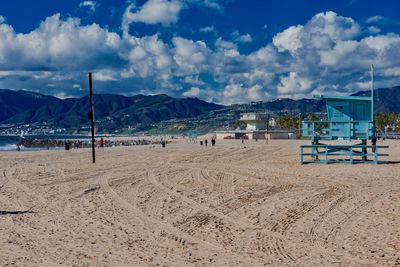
column 69, row 144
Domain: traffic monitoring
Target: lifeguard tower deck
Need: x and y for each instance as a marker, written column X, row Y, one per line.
column 344, row 136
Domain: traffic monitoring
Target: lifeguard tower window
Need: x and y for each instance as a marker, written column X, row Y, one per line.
column 360, row 112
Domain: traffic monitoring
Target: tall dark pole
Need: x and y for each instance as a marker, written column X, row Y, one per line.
column 267, row 128
column 91, row 116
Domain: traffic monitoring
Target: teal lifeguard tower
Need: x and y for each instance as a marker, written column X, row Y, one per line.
column 344, row 136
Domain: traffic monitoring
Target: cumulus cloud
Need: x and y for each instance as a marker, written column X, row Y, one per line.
column 321, row 32
column 191, row 57
column 147, row 56
column 153, row 12
column 328, row 53
column 165, row 12
column 58, row 44
column 240, row 93
column 2, row 19
column 293, row 84
column 289, row 39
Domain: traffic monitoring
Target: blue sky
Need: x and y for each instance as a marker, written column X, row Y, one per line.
column 226, row 51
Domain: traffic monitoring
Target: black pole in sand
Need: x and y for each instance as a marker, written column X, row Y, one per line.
column 91, row 116
column 267, row 128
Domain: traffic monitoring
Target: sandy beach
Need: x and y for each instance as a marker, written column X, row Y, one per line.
column 187, row 205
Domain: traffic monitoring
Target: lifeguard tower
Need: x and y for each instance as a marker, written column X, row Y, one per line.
column 344, row 136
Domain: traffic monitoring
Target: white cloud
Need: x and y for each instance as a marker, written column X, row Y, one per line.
column 207, row 29
column 147, row 56
column 289, row 39
column 2, row 19
column 293, row 84
column 244, row 38
column 63, row 95
column 105, row 76
column 381, row 20
column 89, row 4
column 212, row 4
column 375, row 19
column 58, row 44
column 327, row 53
column 373, row 30
column 153, row 12
column 191, row 57
column 165, row 12
column 192, row 92
column 240, row 93
column 321, row 32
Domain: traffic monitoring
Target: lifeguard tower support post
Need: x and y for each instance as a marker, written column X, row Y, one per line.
column 351, row 122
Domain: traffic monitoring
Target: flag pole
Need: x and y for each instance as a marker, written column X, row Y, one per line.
column 372, row 100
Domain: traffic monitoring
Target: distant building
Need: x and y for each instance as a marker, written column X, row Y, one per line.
column 256, row 128
column 255, row 121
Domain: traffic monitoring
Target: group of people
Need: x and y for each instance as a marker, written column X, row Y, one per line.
column 213, row 141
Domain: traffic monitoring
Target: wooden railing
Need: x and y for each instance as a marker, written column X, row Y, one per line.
column 331, row 130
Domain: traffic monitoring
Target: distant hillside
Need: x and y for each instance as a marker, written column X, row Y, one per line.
column 120, row 111
column 286, row 105
column 28, row 107
column 15, row 102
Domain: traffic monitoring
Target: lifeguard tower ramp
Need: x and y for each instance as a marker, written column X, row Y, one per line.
column 344, row 136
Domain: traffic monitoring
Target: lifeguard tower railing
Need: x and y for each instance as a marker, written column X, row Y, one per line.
column 346, row 152
column 350, row 153
column 334, row 130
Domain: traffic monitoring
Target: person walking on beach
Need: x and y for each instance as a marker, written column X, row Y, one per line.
column 206, row 142
column 101, row 143
column 373, row 141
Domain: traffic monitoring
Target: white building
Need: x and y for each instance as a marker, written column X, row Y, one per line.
column 256, row 128
column 255, row 121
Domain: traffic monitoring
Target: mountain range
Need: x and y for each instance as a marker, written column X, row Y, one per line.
column 29, row 107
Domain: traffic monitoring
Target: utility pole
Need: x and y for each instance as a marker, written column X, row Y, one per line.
column 91, row 116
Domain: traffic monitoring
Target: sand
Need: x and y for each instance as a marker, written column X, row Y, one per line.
column 187, row 205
